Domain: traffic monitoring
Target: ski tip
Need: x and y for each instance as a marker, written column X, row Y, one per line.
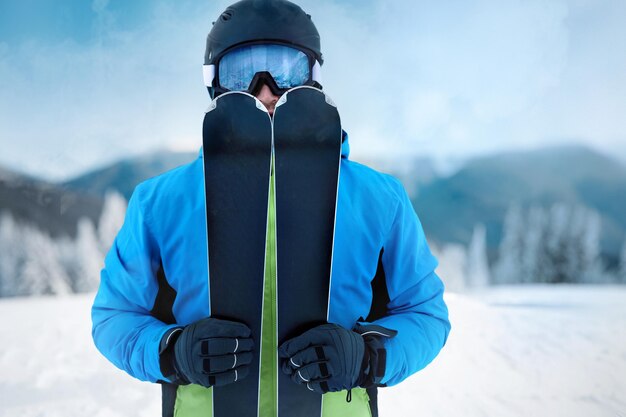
column 212, row 106
column 261, row 106
column 214, row 103
column 283, row 99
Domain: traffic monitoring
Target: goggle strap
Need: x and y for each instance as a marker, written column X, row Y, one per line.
column 208, row 71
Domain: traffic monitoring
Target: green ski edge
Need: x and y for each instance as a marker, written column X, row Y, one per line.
column 268, row 385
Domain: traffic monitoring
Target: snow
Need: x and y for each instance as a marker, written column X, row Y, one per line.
column 50, row 366
column 525, row 351
column 513, row 351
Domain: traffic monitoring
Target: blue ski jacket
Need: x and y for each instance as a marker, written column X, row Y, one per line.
column 155, row 275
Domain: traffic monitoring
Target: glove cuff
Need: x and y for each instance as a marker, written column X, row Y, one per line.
column 375, row 356
column 167, row 358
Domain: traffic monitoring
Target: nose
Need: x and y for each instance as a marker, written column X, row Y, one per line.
column 268, row 98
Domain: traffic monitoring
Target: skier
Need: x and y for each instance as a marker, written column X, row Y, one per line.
column 387, row 317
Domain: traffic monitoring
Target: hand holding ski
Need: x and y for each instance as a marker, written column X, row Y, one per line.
column 329, row 358
column 213, row 352
column 325, row 358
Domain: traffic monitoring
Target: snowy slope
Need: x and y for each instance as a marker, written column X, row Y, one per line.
column 538, row 351
column 529, row 351
column 50, row 366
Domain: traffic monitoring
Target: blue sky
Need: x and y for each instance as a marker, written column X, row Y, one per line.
column 85, row 82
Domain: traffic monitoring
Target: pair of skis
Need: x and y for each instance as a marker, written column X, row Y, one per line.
column 240, row 143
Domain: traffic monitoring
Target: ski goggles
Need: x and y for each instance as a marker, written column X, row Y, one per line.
column 248, row 67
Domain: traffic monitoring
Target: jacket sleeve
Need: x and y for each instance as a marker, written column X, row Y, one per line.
column 124, row 330
column 416, row 309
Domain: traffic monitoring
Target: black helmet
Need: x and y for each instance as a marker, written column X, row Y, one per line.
column 260, row 21
column 249, row 21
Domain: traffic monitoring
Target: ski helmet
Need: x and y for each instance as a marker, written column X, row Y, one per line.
column 261, row 22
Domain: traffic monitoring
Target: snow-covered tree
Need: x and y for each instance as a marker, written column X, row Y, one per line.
column 41, row 272
column 111, row 219
column 572, row 245
column 477, row 264
column 32, row 263
column 584, row 241
column 621, row 275
column 452, row 266
column 29, row 263
column 532, row 262
column 556, row 257
column 508, row 268
column 8, row 258
column 87, row 258
column 558, row 244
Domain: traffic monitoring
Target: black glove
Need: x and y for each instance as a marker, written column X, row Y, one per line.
column 209, row 352
column 331, row 358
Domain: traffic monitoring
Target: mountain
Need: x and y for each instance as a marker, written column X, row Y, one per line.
column 56, row 208
column 449, row 207
column 52, row 207
column 414, row 171
column 484, row 188
column 123, row 176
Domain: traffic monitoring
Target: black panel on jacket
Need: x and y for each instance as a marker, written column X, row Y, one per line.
column 380, row 294
column 380, row 300
column 164, row 302
column 163, row 311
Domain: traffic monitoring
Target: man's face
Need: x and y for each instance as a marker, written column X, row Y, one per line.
column 268, row 99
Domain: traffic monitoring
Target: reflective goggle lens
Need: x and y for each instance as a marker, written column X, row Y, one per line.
column 288, row 66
